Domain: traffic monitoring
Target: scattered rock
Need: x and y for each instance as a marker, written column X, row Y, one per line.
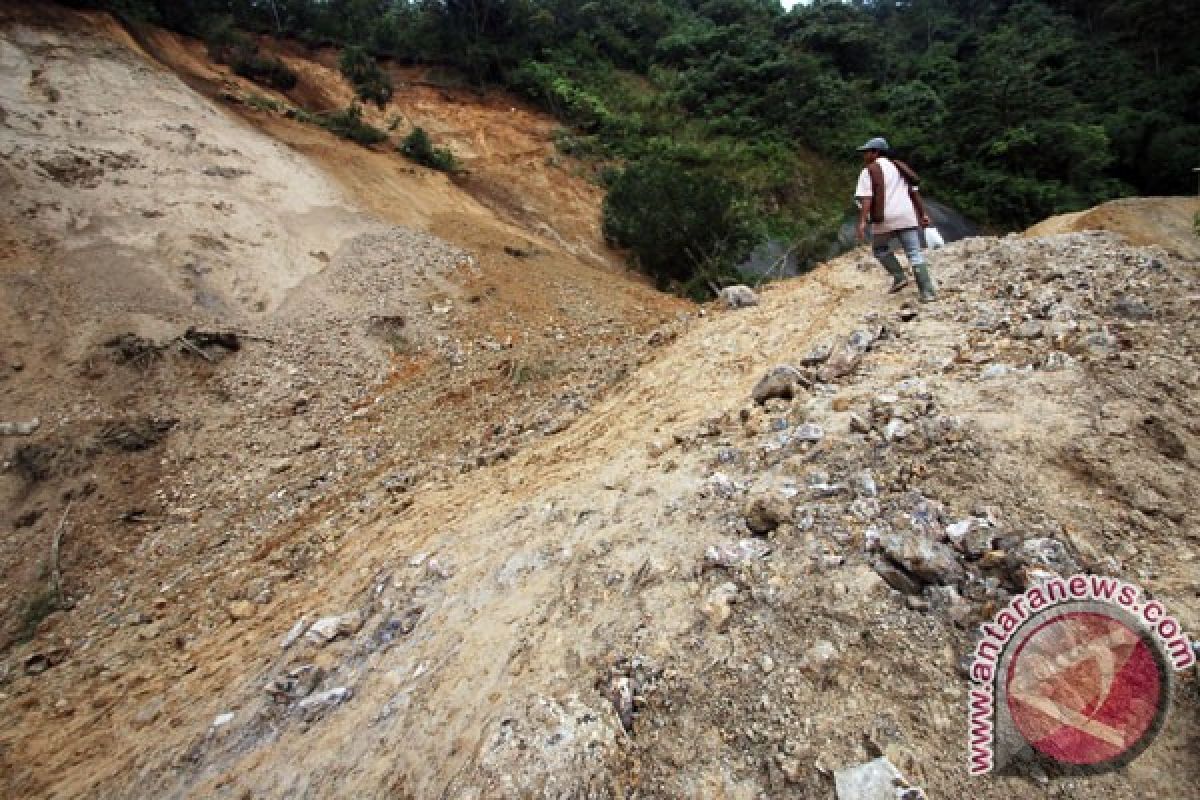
column 896, row 577
column 818, row 355
column 37, row 663
column 1048, row 553
column 225, row 172
column 718, row 605
column 766, row 512
column 294, row 633
column 20, row 428
column 315, row 705
column 819, row 658
column 736, row 554
column 297, row 684
column 783, row 381
column 929, row 561
column 1132, row 308
column 875, row 780
column 897, row 429
column 1029, row 329
column 808, row 432
column 327, row 629
column 738, row 297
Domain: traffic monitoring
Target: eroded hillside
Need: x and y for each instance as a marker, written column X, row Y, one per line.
column 141, row 209
column 453, row 522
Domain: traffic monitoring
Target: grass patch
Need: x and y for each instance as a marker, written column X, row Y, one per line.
column 347, row 123
column 261, row 102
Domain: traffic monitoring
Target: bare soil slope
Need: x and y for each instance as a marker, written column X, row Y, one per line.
column 444, row 528
column 140, row 209
column 1166, row 221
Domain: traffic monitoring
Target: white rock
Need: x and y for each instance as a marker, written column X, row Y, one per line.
column 875, row 780
column 808, row 432
column 896, row 429
column 738, row 297
column 294, row 633
column 735, row 554
column 323, row 701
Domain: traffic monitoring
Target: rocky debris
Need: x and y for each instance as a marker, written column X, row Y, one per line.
column 874, row 780
column 628, row 684
column 808, row 432
column 27, row 428
column 734, row 297
column 135, row 435
column 784, row 382
column 1049, row 554
column 735, row 554
column 316, row 705
column 819, row 658
column 297, row 684
column 129, row 348
column 818, row 355
column 397, row 626
column 38, row 662
column 766, row 512
column 718, row 605
column 1132, row 308
column 326, row 629
column 294, row 633
column 545, row 747
column 925, row 559
column 847, row 354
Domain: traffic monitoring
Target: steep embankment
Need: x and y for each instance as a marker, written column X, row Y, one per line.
column 140, row 208
column 527, row 607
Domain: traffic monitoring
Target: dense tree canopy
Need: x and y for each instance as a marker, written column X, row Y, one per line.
column 1012, row 109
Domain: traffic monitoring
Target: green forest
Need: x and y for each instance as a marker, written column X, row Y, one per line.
column 714, row 124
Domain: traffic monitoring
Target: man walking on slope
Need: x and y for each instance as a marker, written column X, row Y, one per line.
column 887, row 196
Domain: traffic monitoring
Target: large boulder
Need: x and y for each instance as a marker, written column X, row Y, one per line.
column 738, row 297
column 784, row 381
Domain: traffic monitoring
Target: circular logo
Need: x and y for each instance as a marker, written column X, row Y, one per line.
column 1085, row 687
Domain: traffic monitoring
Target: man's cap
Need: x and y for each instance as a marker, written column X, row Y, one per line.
column 878, row 143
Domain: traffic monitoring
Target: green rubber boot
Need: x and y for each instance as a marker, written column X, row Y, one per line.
column 924, row 283
column 892, row 265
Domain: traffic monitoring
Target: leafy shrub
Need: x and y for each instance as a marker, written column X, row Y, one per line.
column 369, row 81
column 263, row 103
column 681, row 225
column 227, row 45
column 418, row 147
column 347, row 123
column 266, row 70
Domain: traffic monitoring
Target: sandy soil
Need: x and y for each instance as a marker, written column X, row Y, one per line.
column 1168, row 221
